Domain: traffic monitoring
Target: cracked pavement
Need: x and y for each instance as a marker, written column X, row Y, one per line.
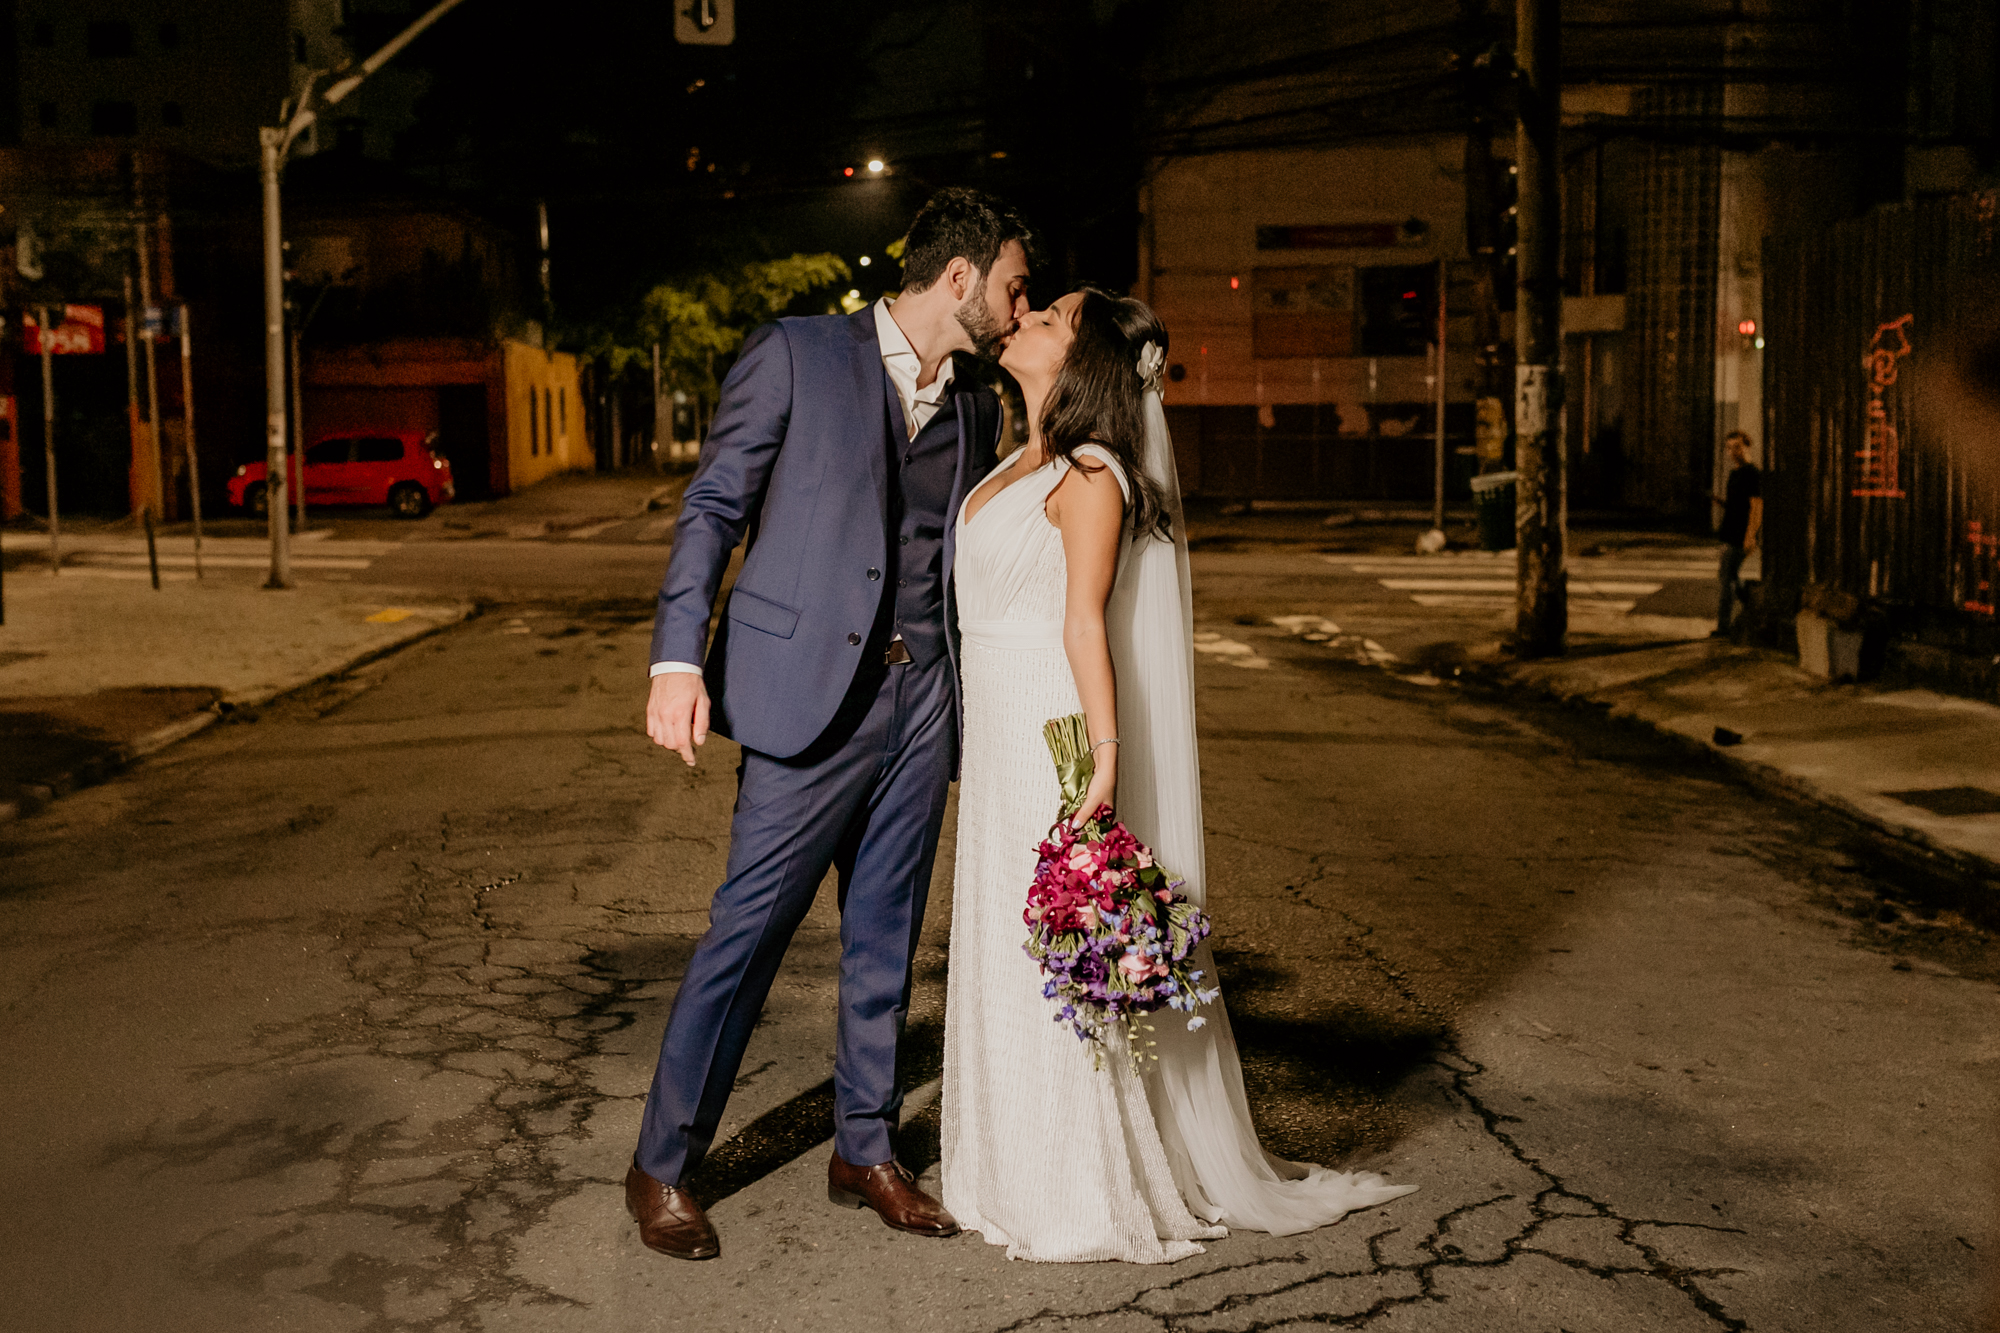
column 338, row 1017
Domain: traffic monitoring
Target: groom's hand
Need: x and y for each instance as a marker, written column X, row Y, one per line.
column 677, row 713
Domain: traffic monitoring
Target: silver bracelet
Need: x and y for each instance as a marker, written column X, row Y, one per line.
column 1108, row 740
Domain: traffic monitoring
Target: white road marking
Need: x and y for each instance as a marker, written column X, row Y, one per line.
column 1588, row 587
column 1478, row 601
column 1230, row 651
column 104, row 559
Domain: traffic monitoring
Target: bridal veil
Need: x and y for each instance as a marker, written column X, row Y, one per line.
column 1196, row 1089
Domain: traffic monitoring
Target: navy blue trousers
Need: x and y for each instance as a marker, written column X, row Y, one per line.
column 866, row 799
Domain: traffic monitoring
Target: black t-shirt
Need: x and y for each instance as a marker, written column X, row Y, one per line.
column 1745, row 485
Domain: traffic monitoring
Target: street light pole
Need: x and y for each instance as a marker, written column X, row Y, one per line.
column 274, row 144
column 275, row 141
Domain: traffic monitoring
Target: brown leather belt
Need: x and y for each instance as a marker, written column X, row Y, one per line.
column 897, row 654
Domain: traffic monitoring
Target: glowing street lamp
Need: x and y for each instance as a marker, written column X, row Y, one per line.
column 875, row 165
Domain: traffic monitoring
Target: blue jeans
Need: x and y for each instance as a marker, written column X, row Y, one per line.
column 1728, row 574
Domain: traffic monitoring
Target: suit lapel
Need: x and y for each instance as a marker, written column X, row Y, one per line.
column 872, row 382
column 958, row 480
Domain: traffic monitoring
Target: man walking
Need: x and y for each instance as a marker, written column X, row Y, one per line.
column 841, row 451
column 1742, row 504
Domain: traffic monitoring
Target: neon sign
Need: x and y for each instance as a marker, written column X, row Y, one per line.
column 1985, row 557
column 1881, row 457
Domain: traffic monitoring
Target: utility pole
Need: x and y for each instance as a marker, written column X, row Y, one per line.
column 274, row 143
column 1541, row 623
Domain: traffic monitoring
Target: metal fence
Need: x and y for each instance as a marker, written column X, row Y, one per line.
column 1882, row 416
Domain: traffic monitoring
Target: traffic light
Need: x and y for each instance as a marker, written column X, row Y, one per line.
column 705, row 22
column 1398, row 309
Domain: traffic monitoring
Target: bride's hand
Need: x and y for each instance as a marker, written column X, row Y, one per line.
column 1102, row 793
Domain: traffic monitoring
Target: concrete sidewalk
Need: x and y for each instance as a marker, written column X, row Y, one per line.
column 569, row 505
column 1920, row 766
column 96, row 672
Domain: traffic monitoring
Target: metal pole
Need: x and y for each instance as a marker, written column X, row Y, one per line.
column 152, row 549
column 1541, row 623
column 134, row 426
column 657, row 457
column 187, row 417
column 275, row 493
column 1437, row 509
column 49, row 439
column 152, row 374
column 298, row 430
column 274, row 141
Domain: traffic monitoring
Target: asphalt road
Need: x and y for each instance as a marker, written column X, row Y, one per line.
column 338, row 1017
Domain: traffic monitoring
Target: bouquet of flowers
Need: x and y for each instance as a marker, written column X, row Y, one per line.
column 1113, row 935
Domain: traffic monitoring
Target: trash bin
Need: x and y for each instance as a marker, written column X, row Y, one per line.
column 1493, row 501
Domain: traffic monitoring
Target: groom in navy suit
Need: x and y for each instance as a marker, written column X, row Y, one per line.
column 840, row 454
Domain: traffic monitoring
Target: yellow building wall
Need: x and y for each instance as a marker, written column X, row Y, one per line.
column 544, row 414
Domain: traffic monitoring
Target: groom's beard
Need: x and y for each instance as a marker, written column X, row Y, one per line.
column 976, row 318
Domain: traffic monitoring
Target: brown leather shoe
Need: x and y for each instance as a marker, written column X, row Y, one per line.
column 669, row 1219
column 892, row 1192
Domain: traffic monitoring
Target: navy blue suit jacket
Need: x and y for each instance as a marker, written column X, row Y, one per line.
column 797, row 464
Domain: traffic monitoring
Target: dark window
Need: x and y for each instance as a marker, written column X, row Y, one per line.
column 329, row 451
column 534, row 425
column 562, row 408
column 1398, row 307
column 49, row 116
column 108, row 38
column 170, row 35
column 171, row 116
column 549, row 419
column 45, row 33
column 114, row 118
column 379, row 449
column 299, row 47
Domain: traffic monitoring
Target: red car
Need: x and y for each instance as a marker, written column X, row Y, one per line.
column 396, row 468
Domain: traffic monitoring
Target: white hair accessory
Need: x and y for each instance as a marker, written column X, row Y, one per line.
column 1151, row 359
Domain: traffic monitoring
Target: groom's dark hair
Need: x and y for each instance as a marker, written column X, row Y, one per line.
column 958, row 221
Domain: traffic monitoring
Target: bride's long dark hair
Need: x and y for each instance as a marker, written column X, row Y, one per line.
column 1097, row 397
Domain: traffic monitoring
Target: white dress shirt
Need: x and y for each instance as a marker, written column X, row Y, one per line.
column 919, row 405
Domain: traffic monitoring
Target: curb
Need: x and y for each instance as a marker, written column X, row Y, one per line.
column 122, row 757
column 1912, row 846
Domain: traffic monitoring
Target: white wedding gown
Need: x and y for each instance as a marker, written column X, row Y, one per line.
column 1055, row 1159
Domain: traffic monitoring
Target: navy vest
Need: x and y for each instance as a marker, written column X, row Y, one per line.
column 921, row 472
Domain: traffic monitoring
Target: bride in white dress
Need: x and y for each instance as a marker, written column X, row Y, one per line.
column 1072, row 587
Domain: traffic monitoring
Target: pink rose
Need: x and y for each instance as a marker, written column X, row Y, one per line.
column 1135, row 966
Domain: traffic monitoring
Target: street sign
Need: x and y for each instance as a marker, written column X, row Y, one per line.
column 154, row 322
column 81, row 331
column 705, row 22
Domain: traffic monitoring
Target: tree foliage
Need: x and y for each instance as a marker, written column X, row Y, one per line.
column 701, row 323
